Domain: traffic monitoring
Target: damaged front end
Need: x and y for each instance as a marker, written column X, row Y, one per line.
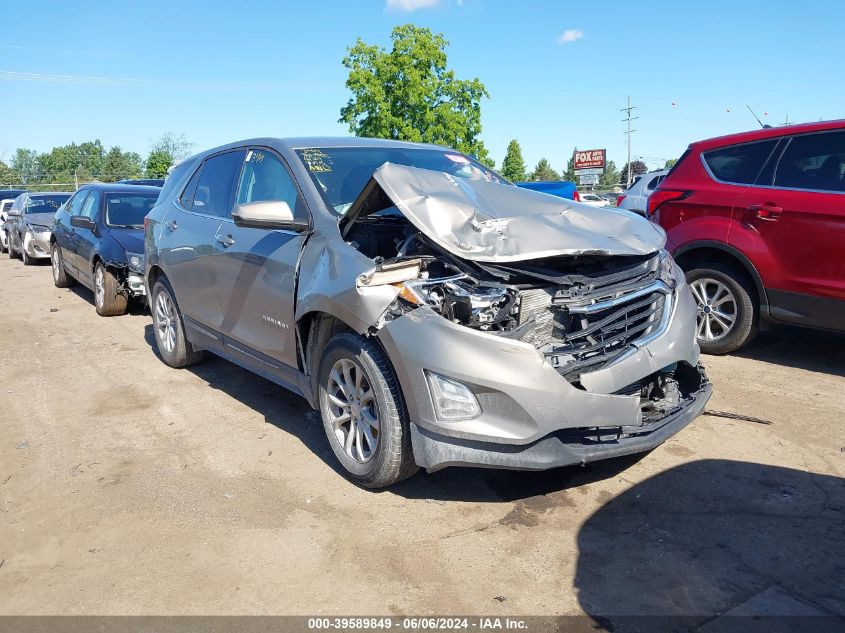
column 571, row 328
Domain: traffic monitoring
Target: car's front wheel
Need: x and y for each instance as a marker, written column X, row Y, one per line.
column 9, row 250
column 173, row 346
column 108, row 299
column 726, row 317
column 363, row 412
column 60, row 277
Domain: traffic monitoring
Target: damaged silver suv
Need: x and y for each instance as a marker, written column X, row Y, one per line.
column 434, row 313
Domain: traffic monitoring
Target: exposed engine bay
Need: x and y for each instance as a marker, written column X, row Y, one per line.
column 580, row 311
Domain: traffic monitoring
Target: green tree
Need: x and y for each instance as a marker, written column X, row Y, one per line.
column 610, row 177
column 119, row 164
column 158, row 162
column 513, row 167
column 25, row 164
column 544, row 171
column 569, row 174
column 670, row 163
column 637, row 167
column 8, row 176
column 408, row 93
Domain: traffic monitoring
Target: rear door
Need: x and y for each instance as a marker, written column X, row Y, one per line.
column 255, row 269
column 798, row 210
column 187, row 240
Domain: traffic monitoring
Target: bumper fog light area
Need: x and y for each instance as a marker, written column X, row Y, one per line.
column 453, row 400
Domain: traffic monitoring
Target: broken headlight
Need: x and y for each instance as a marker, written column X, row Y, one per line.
column 667, row 270
column 460, row 300
column 136, row 262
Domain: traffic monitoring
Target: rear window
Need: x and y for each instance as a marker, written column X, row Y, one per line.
column 813, row 161
column 739, row 164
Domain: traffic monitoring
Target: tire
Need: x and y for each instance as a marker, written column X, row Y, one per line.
column 108, row 299
column 172, row 344
column 11, row 251
column 392, row 459
column 27, row 260
column 60, row 277
column 4, row 249
column 727, row 292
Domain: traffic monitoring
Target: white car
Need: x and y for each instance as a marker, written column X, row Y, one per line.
column 592, row 199
column 636, row 198
column 4, row 208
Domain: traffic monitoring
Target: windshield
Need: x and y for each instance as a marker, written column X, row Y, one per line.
column 340, row 173
column 45, row 204
column 128, row 210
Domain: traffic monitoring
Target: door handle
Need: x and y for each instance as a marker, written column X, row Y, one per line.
column 769, row 211
column 225, row 240
column 172, row 225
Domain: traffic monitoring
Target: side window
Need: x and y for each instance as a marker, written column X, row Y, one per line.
column 652, row 185
column 91, row 206
column 739, row 164
column 213, row 195
column 265, row 177
column 187, row 197
column 75, row 206
column 813, row 161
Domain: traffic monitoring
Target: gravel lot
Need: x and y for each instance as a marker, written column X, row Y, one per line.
column 128, row 487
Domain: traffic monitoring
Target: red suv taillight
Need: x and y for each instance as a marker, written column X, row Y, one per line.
column 576, row 196
column 656, row 199
column 619, row 199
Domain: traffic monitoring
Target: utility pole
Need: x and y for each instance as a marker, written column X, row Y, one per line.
column 787, row 121
column 628, row 118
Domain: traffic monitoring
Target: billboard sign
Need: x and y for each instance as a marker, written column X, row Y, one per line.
column 589, row 159
column 589, row 179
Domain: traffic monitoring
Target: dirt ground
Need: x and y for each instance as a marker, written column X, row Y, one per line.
column 127, row 487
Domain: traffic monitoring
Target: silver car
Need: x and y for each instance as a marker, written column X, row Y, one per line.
column 435, row 314
column 29, row 222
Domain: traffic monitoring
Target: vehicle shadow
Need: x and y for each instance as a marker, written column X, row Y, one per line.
column 812, row 350
column 712, row 537
column 292, row 414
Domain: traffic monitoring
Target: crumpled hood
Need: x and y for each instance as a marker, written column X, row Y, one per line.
column 40, row 219
column 132, row 240
column 489, row 222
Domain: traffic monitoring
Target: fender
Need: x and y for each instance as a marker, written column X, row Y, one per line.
column 735, row 254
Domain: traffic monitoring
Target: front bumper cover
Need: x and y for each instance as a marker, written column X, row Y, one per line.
column 37, row 245
column 525, row 402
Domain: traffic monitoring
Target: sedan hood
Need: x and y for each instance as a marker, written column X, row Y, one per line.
column 132, row 240
column 490, row 222
column 39, row 219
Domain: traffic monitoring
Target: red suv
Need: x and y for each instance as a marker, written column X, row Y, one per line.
column 757, row 221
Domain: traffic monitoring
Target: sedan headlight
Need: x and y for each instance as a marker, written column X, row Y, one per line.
column 667, row 269
column 136, row 262
column 38, row 228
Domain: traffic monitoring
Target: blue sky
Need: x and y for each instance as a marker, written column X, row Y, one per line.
column 557, row 72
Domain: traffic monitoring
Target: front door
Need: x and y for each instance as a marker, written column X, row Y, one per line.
column 65, row 232
column 84, row 239
column 256, row 268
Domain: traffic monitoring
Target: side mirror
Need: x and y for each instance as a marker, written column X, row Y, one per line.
column 270, row 214
column 81, row 222
column 13, row 213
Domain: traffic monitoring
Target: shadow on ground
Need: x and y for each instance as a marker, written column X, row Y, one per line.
column 812, row 350
column 292, row 414
column 712, row 536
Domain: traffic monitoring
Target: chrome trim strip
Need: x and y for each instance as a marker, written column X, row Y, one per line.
column 657, row 286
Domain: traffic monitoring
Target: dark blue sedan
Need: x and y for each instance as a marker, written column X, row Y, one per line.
column 98, row 241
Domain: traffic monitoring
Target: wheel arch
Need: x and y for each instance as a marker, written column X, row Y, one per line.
column 709, row 251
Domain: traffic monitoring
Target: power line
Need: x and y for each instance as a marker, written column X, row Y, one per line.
column 628, row 119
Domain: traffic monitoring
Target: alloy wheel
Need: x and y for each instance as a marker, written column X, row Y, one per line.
column 717, row 309
column 54, row 259
column 353, row 410
column 165, row 321
column 99, row 287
